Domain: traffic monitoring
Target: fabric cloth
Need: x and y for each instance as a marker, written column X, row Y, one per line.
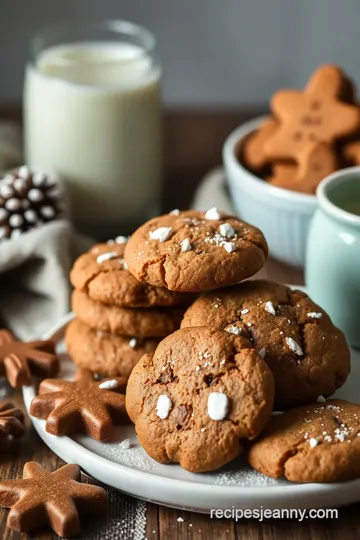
column 34, row 277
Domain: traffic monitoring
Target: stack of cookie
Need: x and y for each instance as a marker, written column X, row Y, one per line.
column 118, row 318
column 242, row 350
column 311, row 134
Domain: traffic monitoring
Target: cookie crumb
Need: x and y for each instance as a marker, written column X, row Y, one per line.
column 295, row 347
column 162, row 234
column 212, row 214
column 218, row 406
column 125, row 444
column 185, row 245
column 269, row 306
column 163, row 406
column 226, row 230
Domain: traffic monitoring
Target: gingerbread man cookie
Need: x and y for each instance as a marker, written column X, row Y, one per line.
column 199, row 397
column 315, row 161
column 319, row 442
column 316, row 114
column 195, row 251
column 253, row 154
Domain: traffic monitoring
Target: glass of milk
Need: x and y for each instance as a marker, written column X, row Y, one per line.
column 92, row 113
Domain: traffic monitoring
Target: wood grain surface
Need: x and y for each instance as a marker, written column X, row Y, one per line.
column 193, row 142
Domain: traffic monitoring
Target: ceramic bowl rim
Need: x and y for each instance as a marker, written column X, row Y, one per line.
column 327, row 205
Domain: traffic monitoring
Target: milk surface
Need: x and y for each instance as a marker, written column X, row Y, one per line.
column 92, row 114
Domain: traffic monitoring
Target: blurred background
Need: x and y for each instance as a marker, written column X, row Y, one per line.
column 226, row 53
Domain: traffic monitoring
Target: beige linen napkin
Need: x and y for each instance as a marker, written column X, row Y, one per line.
column 34, row 277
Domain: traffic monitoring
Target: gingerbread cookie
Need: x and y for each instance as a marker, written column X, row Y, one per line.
column 313, row 443
column 82, row 405
column 316, row 114
column 314, row 163
column 12, row 424
column 102, row 274
column 352, row 152
column 195, row 251
column 306, row 353
column 198, row 397
column 102, row 353
column 20, row 360
column 44, row 498
column 253, row 154
column 134, row 322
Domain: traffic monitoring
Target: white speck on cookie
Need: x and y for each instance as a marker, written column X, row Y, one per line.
column 314, row 315
column 162, row 234
column 233, row 329
column 293, row 346
column 174, row 212
column 226, row 230
column 321, row 399
column 212, row 214
column 244, row 311
column 107, row 256
column 313, row 442
column 218, row 406
column 185, row 245
column 163, row 406
column 109, row 385
column 262, row 353
column 133, row 343
column 121, row 240
column 269, row 306
column 249, row 324
column 230, row 247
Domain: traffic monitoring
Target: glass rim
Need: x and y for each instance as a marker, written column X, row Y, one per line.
column 114, row 26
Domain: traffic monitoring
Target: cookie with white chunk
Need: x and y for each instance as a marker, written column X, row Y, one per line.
column 199, row 397
column 102, row 274
column 195, row 251
column 28, row 199
column 306, row 353
column 313, row 443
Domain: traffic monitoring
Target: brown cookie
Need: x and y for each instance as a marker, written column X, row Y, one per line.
column 253, row 154
column 315, row 161
column 12, row 422
column 134, row 322
column 103, row 353
column 306, row 353
column 195, row 251
column 316, row 114
column 83, row 405
column 43, row 498
column 319, row 442
column 198, row 397
column 20, row 360
column 102, row 274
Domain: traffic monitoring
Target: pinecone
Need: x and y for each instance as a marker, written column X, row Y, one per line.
column 28, row 200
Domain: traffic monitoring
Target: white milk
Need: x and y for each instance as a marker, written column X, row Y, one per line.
column 92, row 114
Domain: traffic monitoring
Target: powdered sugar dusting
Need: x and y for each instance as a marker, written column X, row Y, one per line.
column 244, row 476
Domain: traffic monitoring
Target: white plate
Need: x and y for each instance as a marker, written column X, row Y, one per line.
column 132, row 471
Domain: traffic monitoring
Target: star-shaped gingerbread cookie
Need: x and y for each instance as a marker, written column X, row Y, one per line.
column 11, row 424
column 19, row 360
column 43, row 498
column 82, row 405
column 316, row 114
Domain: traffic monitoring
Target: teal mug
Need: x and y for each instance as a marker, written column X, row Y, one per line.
column 333, row 251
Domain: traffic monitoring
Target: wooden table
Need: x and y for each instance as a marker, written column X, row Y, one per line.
column 193, row 147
